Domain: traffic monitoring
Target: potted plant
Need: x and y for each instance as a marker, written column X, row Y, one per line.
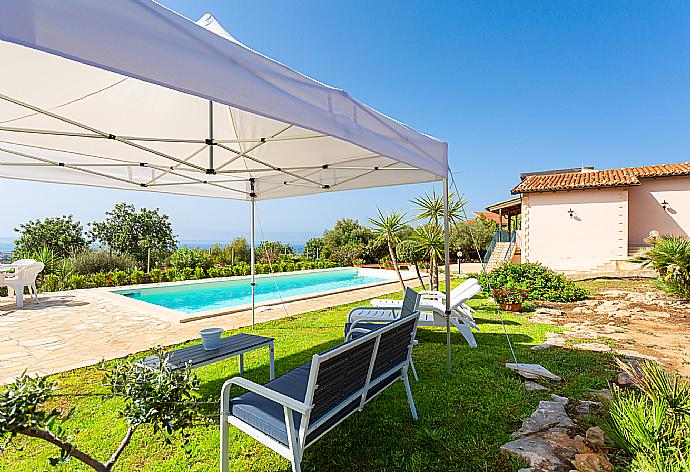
column 510, row 298
column 210, row 338
column 358, row 262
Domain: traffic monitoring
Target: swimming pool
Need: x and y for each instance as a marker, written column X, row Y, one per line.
column 204, row 296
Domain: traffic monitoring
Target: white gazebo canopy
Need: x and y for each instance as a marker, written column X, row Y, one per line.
column 131, row 95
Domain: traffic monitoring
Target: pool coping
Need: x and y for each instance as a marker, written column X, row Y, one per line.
column 169, row 314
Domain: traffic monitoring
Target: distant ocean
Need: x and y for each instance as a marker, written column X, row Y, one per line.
column 7, row 244
column 297, row 247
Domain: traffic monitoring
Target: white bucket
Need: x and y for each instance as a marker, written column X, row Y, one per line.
column 210, row 338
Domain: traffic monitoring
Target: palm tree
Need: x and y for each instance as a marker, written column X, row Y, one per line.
column 430, row 208
column 429, row 240
column 387, row 226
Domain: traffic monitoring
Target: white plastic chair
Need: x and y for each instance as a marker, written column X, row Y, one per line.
column 25, row 276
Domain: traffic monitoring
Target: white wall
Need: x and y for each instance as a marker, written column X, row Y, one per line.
column 647, row 213
column 595, row 235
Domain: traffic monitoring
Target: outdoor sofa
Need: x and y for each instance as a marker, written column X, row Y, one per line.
column 293, row 411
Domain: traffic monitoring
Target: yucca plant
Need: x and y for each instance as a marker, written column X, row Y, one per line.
column 387, row 226
column 430, row 207
column 670, row 257
column 652, row 423
column 428, row 239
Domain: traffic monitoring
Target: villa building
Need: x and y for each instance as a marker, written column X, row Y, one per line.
column 582, row 220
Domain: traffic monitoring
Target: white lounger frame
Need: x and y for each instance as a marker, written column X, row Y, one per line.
column 294, row 451
column 433, row 302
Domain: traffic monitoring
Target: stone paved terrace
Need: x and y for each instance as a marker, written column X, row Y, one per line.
column 65, row 330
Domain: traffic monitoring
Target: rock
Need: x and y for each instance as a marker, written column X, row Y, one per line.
column 559, row 399
column 614, row 293
column 562, row 444
column 595, row 436
column 624, row 379
column 595, row 347
column 536, row 451
column 630, row 355
column 533, row 386
column 555, row 339
column 582, row 310
column 549, row 311
column 592, row 462
column 539, row 347
column 547, row 415
column 585, row 407
column 602, row 394
column 532, row 371
column 581, row 445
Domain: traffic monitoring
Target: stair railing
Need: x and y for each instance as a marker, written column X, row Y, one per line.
column 501, row 236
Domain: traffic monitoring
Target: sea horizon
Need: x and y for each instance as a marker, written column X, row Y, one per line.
column 7, row 243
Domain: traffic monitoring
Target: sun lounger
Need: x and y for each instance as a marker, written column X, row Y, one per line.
column 433, row 312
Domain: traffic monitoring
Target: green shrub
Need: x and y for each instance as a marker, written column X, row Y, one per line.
column 120, row 277
column 185, row 273
column 199, row 273
column 91, row 262
column 540, row 282
column 138, row 277
column 51, row 283
column 170, row 274
column 76, row 282
column 190, row 257
column 670, row 256
column 652, row 422
column 97, row 280
column 215, row 272
column 156, row 275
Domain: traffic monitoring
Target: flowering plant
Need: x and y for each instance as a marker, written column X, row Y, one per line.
column 510, row 294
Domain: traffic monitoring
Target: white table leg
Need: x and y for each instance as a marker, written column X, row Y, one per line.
column 272, row 356
column 242, row 363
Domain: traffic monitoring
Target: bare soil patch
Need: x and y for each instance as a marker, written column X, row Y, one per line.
column 632, row 317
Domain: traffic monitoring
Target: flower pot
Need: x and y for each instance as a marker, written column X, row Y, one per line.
column 515, row 307
column 210, row 338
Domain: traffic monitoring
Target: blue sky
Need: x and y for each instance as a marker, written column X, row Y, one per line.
column 511, row 86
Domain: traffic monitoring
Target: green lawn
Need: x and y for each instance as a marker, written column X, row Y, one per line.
column 463, row 417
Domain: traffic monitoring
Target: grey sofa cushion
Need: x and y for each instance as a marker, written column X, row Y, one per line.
column 266, row 415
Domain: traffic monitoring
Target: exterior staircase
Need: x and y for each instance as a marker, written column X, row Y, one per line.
column 501, row 249
column 502, row 252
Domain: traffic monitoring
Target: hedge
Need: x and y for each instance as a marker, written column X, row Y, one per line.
column 53, row 283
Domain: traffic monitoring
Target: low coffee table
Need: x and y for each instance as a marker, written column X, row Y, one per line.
column 230, row 346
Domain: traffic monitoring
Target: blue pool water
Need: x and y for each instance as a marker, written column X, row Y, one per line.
column 203, row 296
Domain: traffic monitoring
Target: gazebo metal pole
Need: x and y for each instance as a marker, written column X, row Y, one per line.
column 251, row 252
column 446, row 231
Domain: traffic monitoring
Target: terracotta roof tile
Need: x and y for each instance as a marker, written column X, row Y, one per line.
column 625, row 177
